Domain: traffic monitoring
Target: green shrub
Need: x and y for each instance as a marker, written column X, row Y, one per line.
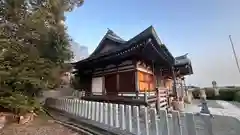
column 227, row 94
column 19, row 103
column 236, row 89
column 237, row 96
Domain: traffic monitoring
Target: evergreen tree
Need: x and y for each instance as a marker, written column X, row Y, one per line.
column 33, row 44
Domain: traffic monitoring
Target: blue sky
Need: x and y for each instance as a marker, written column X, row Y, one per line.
column 197, row 27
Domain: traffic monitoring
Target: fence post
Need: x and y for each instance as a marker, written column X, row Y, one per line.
column 164, row 125
column 116, row 116
column 122, row 116
column 68, row 105
column 101, row 113
column 97, row 111
column 129, row 117
column 145, row 96
column 64, row 104
column 137, row 119
column 61, row 105
column 154, row 122
column 110, row 107
column 57, row 103
column 84, row 109
column 89, row 106
column 78, row 105
column 93, row 111
column 176, row 123
column 190, row 124
column 105, row 113
column 137, row 94
column 146, row 122
column 75, row 107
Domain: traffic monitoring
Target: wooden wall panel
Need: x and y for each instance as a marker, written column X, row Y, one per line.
column 127, row 81
column 146, row 81
column 85, row 83
column 140, row 76
column 143, row 86
column 111, row 84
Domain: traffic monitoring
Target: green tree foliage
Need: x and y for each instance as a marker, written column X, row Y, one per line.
column 33, row 46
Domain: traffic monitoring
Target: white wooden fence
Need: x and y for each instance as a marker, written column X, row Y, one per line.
column 138, row 120
column 163, row 93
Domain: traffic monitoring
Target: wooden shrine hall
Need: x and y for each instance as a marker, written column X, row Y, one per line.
column 121, row 71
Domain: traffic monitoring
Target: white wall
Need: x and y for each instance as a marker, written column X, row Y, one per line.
column 97, row 85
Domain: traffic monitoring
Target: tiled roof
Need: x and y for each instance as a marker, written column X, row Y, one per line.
column 147, row 33
column 181, row 60
column 110, row 34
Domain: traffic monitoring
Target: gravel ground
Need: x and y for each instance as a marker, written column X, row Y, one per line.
column 222, row 125
column 235, row 103
column 40, row 126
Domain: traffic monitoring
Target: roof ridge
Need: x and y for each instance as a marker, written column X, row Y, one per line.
column 110, row 33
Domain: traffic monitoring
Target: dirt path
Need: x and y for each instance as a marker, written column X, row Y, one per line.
column 40, row 126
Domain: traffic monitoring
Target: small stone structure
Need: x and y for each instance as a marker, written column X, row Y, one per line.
column 216, row 89
column 203, row 94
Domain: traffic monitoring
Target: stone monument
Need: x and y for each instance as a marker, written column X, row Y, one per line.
column 216, row 89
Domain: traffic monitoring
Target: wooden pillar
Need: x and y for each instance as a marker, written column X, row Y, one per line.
column 184, row 85
column 103, row 85
column 136, row 79
column 174, row 82
column 159, row 80
column 182, row 89
column 154, row 74
column 117, row 80
column 157, row 101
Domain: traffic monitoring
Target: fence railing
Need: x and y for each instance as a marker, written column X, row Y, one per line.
column 139, row 120
column 159, row 95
